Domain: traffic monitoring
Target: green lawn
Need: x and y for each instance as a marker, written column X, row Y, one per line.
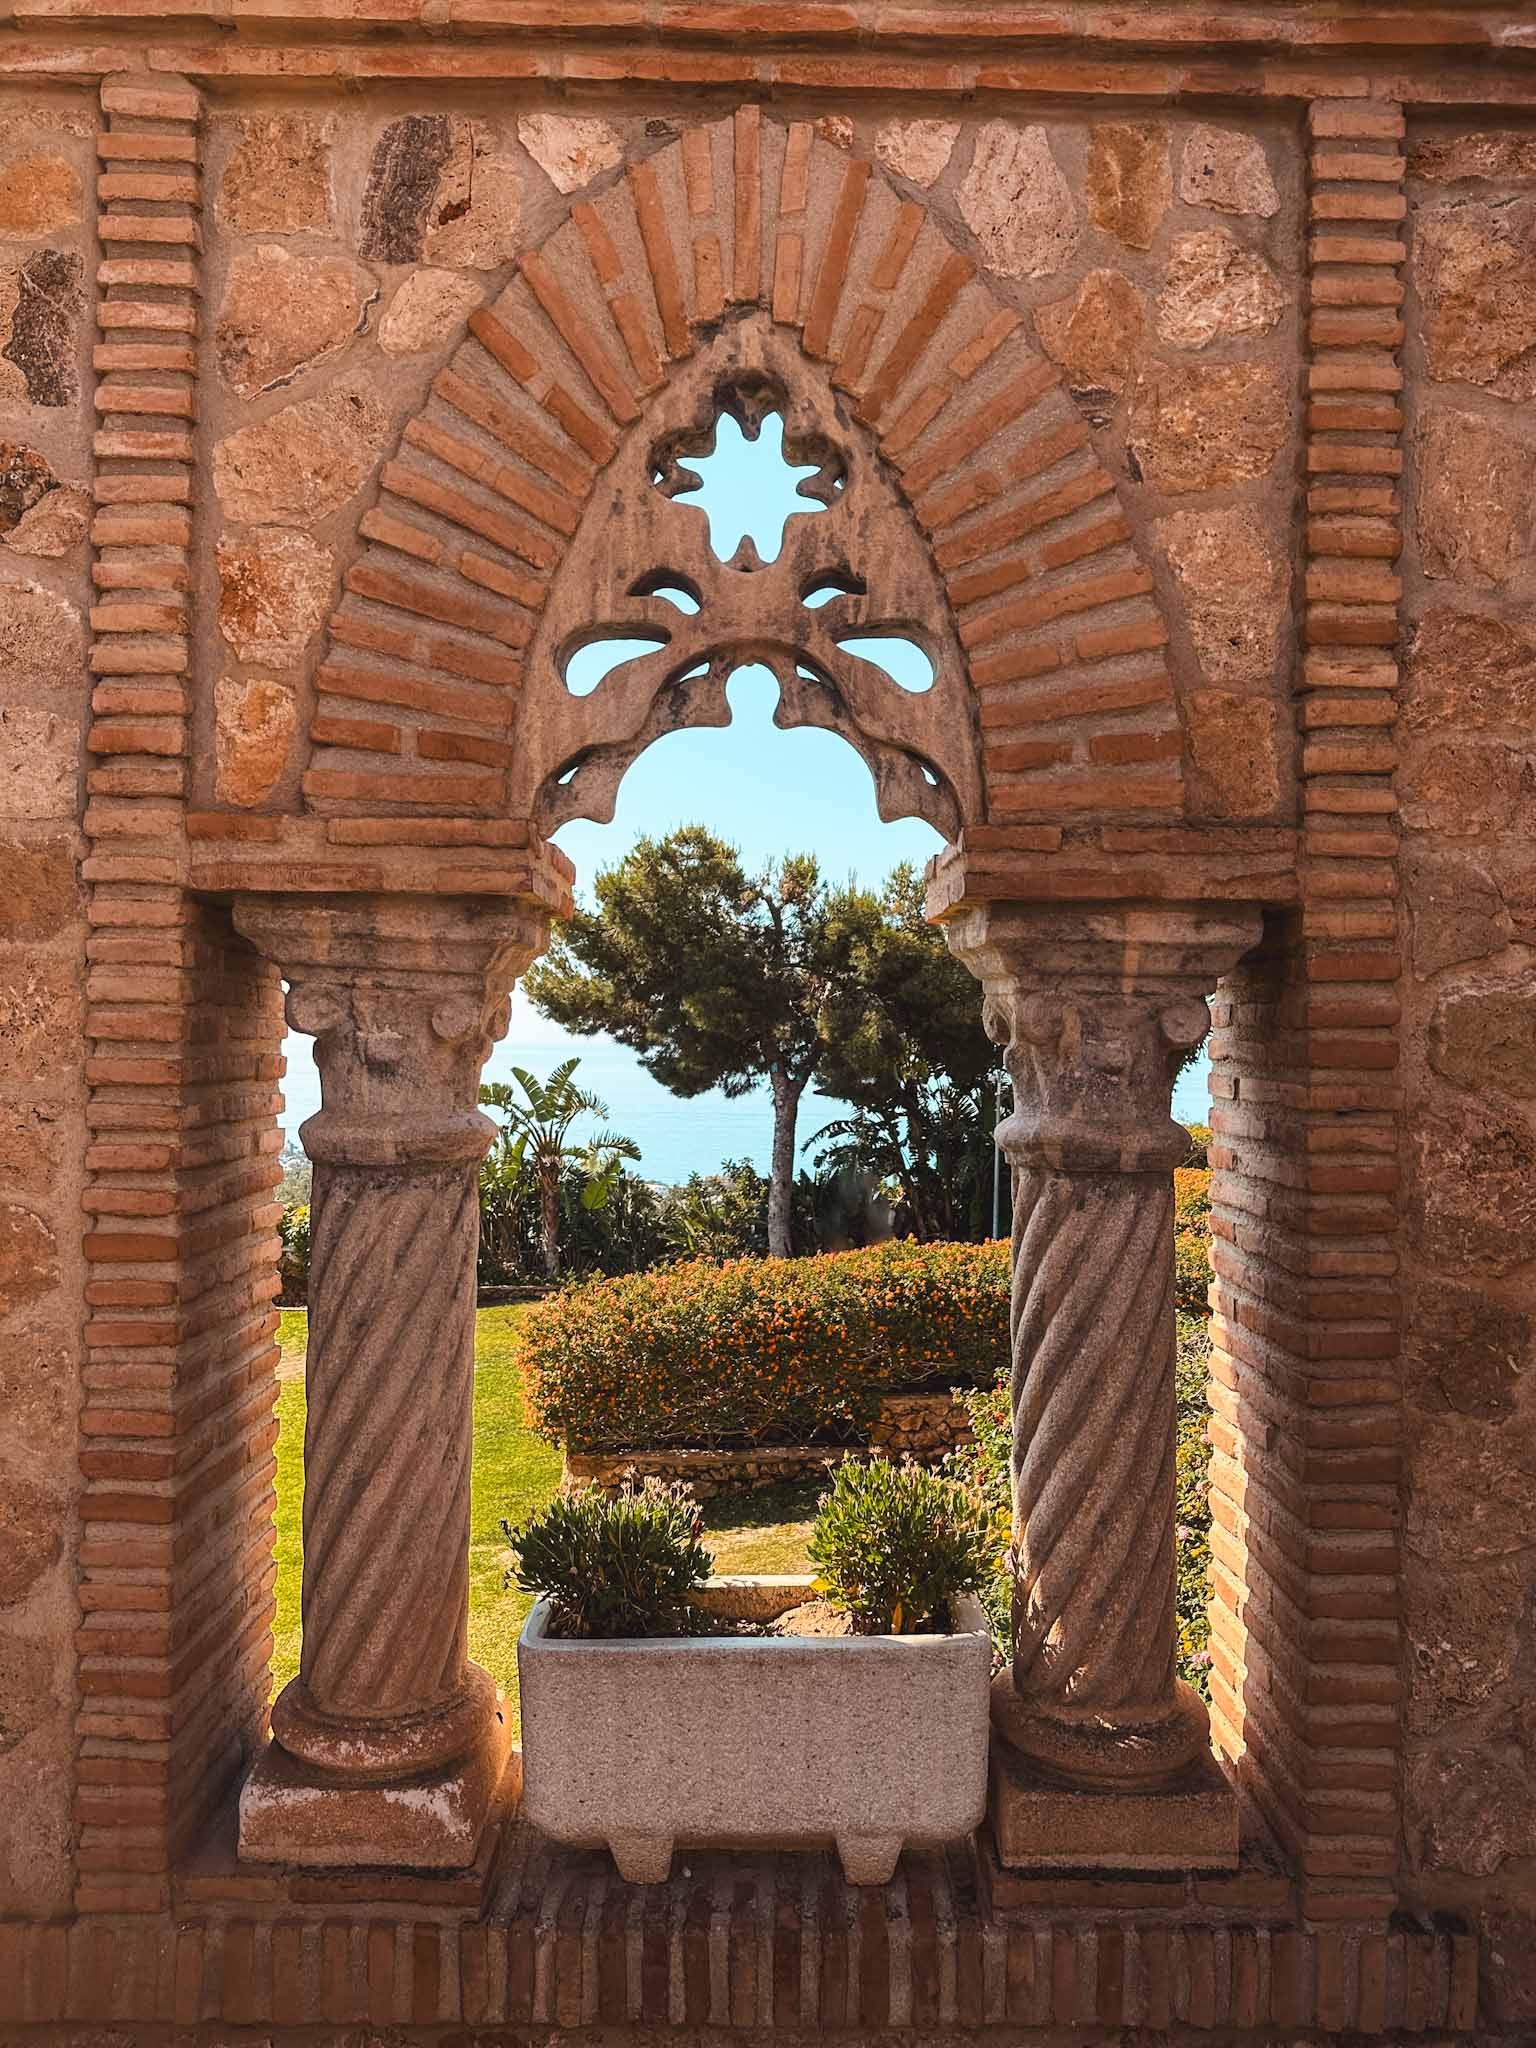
column 514, row 1473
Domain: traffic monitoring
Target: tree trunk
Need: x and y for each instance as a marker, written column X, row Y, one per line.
column 781, row 1177
column 549, row 1220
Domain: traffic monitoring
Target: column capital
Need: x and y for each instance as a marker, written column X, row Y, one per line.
column 1095, row 1006
column 404, row 998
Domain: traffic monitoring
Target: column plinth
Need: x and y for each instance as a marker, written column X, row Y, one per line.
column 1101, row 1753
column 389, row 1745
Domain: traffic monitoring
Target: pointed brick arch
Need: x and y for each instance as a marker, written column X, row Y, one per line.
column 418, row 699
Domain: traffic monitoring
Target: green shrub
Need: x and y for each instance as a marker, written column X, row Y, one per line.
column 293, row 1260
column 762, row 1350
column 621, row 1567
column 983, row 1465
column 894, row 1545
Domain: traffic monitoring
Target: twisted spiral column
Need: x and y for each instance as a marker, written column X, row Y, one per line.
column 1096, row 1007
column 384, row 1685
column 1093, row 1478
column 388, row 1744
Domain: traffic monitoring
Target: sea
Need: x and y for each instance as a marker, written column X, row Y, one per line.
column 675, row 1137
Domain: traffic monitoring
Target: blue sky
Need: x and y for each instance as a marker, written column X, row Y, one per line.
column 767, row 791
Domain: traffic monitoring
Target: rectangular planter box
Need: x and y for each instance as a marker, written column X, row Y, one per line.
column 870, row 1742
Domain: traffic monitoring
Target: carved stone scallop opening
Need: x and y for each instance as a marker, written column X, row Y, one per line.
column 849, row 614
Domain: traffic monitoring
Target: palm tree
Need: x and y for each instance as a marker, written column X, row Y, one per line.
column 538, row 1130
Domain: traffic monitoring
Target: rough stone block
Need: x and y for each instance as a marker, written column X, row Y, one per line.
column 1043, row 1824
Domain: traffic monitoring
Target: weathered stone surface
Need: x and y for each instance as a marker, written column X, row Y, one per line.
column 1130, row 180
column 1463, row 789
column 39, row 1389
column 1234, row 582
column 473, row 220
column 39, row 763
column 1455, row 906
column 1471, row 1809
column 28, row 1693
column 1097, row 334
column 1196, row 425
column 55, row 526
column 1514, row 870
column 836, row 129
column 1017, row 204
column 1473, row 1200
column 1483, row 1036
column 1217, row 291
column 42, row 890
column 1499, row 155
column 1466, row 672
column 29, row 1149
column 41, row 307
column 1234, row 756
column 298, row 466
column 1464, row 1349
column 41, row 644
column 42, row 648
column 283, row 312
column 570, row 149
column 1464, row 1631
column 1224, row 168
column 1476, row 485
column 917, row 150
column 254, row 725
column 36, row 1836
column 1472, row 1487
column 408, row 161
column 1507, row 1987
column 278, row 177
column 25, row 478
column 427, row 311
column 32, row 1525
column 29, row 1257
column 273, row 591
column 39, row 1013
column 1476, row 272
column 38, row 196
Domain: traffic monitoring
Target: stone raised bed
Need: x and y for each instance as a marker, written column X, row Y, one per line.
column 869, row 1742
column 920, row 1426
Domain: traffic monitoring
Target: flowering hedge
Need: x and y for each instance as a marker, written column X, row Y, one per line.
column 762, row 1350
column 1192, row 1239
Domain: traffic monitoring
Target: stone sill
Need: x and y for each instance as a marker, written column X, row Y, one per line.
column 775, row 1944
column 772, row 1944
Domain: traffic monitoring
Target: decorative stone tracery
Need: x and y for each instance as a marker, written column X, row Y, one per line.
column 438, row 679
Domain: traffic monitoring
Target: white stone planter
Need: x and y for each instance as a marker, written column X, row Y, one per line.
column 871, row 1742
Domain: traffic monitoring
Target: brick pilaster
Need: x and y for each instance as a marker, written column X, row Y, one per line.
column 1306, row 1466
column 182, row 1024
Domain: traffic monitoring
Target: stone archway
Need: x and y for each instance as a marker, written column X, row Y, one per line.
column 438, row 694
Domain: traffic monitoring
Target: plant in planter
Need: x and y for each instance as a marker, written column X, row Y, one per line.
column 895, row 1546
column 639, row 1740
column 614, row 1568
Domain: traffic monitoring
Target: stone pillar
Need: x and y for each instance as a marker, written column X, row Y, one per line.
column 1101, row 1755
column 403, row 1737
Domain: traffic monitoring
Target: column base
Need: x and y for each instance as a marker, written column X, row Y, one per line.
column 1044, row 1823
column 291, row 1812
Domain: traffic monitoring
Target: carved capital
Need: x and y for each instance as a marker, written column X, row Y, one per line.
column 1095, row 1008
column 404, row 999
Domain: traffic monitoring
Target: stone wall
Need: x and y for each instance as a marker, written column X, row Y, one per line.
column 1467, row 781
column 46, row 170
column 1190, row 352
column 925, row 1427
